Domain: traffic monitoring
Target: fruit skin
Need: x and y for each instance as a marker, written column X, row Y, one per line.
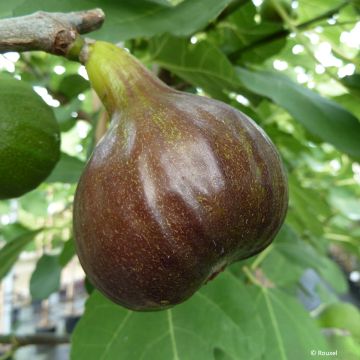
column 29, row 141
column 179, row 187
column 341, row 316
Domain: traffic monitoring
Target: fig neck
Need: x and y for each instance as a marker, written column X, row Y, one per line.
column 119, row 79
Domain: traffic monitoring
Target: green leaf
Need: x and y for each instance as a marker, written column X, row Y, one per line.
column 35, row 202
column 290, row 332
column 346, row 202
column 301, row 254
column 67, row 253
column 310, row 9
column 11, row 231
column 193, row 330
column 63, row 114
column 11, row 251
column 280, row 270
column 5, row 207
column 320, row 116
column 240, row 30
column 72, row 85
column 67, row 170
column 350, row 102
column 46, row 278
column 6, row 7
column 352, row 82
column 346, row 345
column 309, row 206
column 128, row 19
column 334, row 276
column 89, row 287
column 268, row 11
column 297, row 251
column 161, row 2
column 201, row 64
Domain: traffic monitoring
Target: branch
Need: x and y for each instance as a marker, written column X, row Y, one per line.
column 54, row 33
column 34, row 339
column 285, row 32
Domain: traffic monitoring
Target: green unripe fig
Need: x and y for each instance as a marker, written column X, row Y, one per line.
column 29, row 140
column 179, row 187
column 341, row 316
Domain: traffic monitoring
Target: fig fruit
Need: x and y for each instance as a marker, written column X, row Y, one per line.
column 179, row 187
column 341, row 316
column 29, row 141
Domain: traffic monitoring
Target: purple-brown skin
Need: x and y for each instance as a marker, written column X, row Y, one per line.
column 179, row 187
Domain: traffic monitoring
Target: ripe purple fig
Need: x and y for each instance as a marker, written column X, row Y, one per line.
column 178, row 188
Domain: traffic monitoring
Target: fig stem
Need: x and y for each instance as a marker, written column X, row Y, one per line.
column 261, row 257
column 55, row 33
column 251, row 276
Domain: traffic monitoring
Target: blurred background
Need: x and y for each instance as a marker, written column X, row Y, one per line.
column 295, row 71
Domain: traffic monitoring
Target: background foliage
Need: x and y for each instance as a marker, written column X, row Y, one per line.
column 295, row 73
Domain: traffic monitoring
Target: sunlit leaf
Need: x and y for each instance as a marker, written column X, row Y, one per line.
column 35, row 202
column 11, row 231
column 320, row 116
column 240, row 30
column 308, row 205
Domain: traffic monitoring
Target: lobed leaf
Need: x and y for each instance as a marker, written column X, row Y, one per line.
column 290, row 332
column 220, row 316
